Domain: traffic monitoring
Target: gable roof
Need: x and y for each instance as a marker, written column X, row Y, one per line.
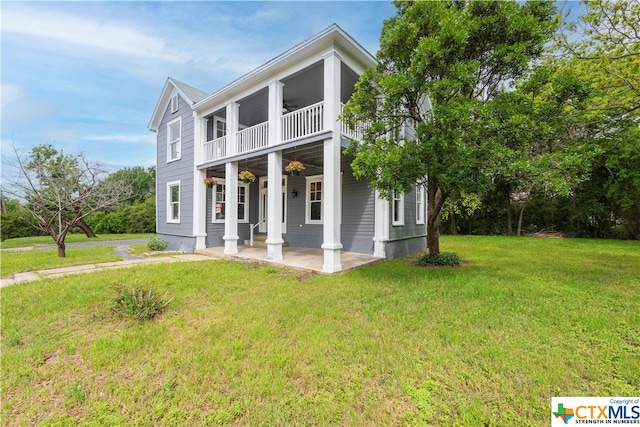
column 330, row 36
column 188, row 93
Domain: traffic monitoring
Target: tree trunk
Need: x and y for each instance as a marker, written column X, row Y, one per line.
column 82, row 225
column 520, row 215
column 509, row 225
column 454, row 227
column 436, row 199
column 62, row 251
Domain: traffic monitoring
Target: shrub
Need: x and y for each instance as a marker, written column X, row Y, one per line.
column 443, row 258
column 139, row 304
column 157, row 244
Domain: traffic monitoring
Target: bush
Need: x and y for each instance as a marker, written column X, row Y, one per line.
column 443, row 258
column 157, row 244
column 139, row 304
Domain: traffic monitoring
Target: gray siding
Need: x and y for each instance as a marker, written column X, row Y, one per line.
column 410, row 237
column 179, row 170
column 215, row 231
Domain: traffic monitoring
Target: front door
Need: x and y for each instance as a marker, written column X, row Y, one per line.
column 264, row 205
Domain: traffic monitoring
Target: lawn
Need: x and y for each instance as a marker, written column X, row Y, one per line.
column 389, row 344
column 71, row 238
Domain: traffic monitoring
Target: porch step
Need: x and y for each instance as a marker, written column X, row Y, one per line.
column 260, row 241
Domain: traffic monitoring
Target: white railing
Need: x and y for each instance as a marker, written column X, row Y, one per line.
column 215, row 149
column 252, row 138
column 303, row 122
column 357, row 133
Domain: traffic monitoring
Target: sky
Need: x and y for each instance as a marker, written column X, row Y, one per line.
column 86, row 76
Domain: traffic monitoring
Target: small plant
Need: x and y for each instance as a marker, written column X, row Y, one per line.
column 441, row 259
column 157, row 244
column 210, row 181
column 139, row 304
column 294, row 166
column 76, row 393
column 246, row 176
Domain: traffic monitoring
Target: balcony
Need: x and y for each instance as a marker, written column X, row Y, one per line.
column 302, row 123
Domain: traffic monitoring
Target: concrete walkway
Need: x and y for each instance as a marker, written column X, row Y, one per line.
column 89, row 268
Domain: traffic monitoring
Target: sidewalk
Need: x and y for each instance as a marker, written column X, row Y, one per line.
column 88, row 268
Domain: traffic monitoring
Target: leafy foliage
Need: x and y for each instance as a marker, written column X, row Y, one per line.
column 139, row 303
column 441, row 259
column 157, row 244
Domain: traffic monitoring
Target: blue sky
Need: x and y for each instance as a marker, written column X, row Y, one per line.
column 86, row 76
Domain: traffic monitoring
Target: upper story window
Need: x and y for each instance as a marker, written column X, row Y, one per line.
column 315, row 186
column 175, row 105
column 397, row 209
column 220, row 204
column 174, row 131
column 173, row 202
column 419, row 204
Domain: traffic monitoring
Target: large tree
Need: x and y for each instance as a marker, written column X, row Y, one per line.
column 60, row 190
column 440, row 66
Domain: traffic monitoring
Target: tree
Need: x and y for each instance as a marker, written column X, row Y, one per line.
column 440, row 66
column 61, row 190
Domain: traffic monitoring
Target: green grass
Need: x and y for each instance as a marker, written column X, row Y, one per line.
column 71, row 238
column 12, row 262
column 389, row 344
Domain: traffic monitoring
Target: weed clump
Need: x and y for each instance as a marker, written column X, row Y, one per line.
column 441, row 259
column 139, row 304
column 157, row 244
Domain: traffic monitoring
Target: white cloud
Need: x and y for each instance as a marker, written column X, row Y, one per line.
column 96, row 34
column 124, row 138
column 10, row 93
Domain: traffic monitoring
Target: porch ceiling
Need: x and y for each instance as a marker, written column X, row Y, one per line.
column 312, row 155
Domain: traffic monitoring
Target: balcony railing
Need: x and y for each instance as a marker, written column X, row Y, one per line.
column 215, row 149
column 303, row 122
column 252, row 138
column 356, row 133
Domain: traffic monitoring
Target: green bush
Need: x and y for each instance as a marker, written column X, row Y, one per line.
column 157, row 244
column 443, row 258
column 139, row 304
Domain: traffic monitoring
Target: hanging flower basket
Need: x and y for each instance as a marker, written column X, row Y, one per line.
column 246, row 176
column 210, row 181
column 294, row 167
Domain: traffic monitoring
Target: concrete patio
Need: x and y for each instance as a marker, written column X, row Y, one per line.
column 302, row 258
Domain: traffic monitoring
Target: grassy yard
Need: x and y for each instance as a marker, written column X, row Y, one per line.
column 389, row 344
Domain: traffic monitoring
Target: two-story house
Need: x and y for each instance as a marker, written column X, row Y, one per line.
column 285, row 110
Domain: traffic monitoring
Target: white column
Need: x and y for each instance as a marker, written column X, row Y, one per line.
column 331, row 193
column 199, row 189
column 381, row 227
column 233, row 119
column 274, row 207
column 231, row 209
column 275, row 112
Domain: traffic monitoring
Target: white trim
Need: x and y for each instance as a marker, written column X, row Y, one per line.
column 397, row 200
column 169, row 219
column 307, row 204
column 419, row 204
column 177, row 141
column 214, row 192
column 262, row 190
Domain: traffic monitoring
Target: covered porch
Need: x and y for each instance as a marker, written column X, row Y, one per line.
column 309, row 259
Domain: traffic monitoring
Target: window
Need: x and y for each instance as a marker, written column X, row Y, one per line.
column 173, row 202
column 173, row 140
column 174, row 104
column 219, row 206
column 314, row 200
column 419, row 204
column 397, row 209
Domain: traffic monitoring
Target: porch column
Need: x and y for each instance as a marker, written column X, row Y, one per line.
column 331, row 193
column 199, row 189
column 233, row 119
column 231, row 209
column 381, row 228
column 274, row 207
column 275, row 112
